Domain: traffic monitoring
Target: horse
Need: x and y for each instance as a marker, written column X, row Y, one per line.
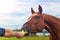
column 39, row 21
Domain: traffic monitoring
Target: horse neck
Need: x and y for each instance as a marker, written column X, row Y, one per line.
column 52, row 21
column 53, row 24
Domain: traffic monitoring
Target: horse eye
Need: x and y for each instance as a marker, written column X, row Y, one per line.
column 37, row 17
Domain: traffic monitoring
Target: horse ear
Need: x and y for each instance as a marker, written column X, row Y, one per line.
column 32, row 10
column 40, row 9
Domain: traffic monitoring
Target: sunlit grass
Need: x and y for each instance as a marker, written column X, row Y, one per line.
column 26, row 38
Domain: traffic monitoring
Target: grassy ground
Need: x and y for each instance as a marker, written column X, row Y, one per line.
column 26, row 38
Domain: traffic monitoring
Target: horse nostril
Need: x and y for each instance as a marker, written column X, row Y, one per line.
column 28, row 28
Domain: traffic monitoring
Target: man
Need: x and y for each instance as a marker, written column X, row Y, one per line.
column 10, row 33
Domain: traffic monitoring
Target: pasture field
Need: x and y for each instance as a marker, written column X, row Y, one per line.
column 25, row 38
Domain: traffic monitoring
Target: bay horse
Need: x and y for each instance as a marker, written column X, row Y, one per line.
column 39, row 21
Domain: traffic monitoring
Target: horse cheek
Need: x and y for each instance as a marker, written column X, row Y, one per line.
column 41, row 25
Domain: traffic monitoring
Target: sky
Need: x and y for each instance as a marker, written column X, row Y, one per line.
column 14, row 13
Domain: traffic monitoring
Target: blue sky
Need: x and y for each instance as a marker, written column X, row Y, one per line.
column 14, row 13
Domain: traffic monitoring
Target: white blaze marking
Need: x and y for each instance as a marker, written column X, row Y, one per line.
column 32, row 16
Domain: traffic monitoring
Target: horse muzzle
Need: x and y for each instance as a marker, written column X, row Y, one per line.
column 27, row 28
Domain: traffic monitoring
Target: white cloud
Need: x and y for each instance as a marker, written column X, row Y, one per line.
column 11, row 19
column 7, row 6
column 52, row 8
column 26, row 5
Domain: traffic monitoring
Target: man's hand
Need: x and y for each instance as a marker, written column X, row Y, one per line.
column 21, row 34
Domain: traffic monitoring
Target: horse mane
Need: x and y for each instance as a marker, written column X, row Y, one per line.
column 53, row 24
column 56, row 18
column 53, row 19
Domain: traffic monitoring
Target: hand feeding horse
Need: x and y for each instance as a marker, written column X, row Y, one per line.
column 39, row 21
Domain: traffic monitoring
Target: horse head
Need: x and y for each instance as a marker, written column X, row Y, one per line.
column 35, row 22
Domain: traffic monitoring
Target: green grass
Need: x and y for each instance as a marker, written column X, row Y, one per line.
column 26, row 38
